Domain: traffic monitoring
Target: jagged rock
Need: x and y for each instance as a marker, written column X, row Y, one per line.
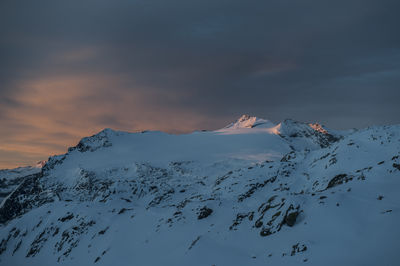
column 25, row 197
column 338, row 180
column 66, row 217
column 291, row 217
column 265, row 232
column 204, row 213
column 298, row 249
column 258, row 223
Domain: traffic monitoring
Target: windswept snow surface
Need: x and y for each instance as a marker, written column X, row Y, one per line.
column 252, row 193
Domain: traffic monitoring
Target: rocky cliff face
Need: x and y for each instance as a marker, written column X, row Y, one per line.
column 244, row 195
column 11, row 178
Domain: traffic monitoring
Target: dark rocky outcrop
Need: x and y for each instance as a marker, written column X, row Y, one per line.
column 338, row 180
column 291, row 217
column 204, row 212
column 26, row 196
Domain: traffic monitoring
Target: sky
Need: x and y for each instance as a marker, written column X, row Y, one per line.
column 68, row 69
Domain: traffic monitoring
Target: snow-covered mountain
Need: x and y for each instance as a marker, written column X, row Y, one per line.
column 11, row 178
column 252, row 193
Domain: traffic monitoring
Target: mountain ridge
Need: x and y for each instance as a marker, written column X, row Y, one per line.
column 255, row 194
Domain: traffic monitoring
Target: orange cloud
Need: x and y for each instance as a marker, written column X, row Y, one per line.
column 55, row 112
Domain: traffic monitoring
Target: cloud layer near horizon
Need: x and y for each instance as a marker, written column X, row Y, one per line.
column 68, row 69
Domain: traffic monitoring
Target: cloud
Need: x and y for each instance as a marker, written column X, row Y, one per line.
column 75, row 67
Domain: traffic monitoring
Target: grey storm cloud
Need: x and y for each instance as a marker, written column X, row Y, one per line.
column 218, row 56
column 337, row 62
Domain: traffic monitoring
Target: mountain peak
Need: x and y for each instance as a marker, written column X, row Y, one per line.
column 182, row 196
column 40, row 164
column 247, row 121
column 318, row 127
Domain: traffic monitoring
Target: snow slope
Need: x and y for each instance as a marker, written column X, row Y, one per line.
column 252, row 193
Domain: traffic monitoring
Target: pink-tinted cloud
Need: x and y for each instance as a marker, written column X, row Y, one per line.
column 53, row 113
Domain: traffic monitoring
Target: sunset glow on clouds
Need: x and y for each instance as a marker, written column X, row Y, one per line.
column 54, row 113
column 178, row 66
